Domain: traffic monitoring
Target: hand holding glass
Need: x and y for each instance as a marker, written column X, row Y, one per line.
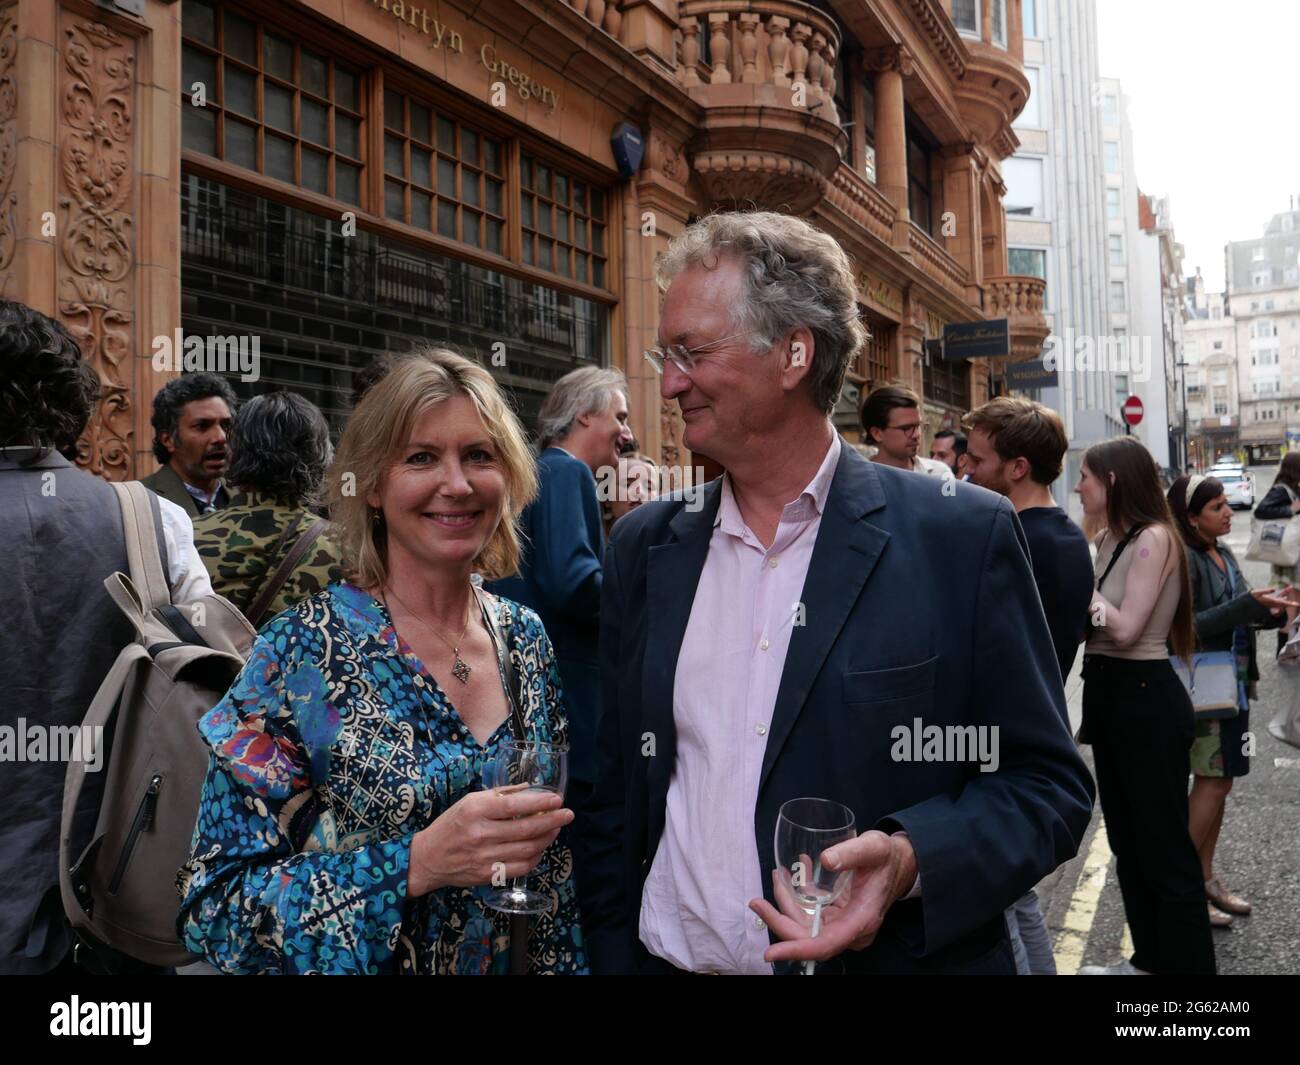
column 805, row 828
column 532, row 766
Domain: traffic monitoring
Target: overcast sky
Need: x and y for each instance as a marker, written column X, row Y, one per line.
column 1212, row 93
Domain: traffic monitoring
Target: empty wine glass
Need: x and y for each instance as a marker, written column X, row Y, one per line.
column 805, row 828
column 533, row 766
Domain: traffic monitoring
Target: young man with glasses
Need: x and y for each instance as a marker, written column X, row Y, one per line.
column 891, row 418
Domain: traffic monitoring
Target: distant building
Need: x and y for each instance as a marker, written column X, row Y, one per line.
column 1263, row 279
column 1210, row 349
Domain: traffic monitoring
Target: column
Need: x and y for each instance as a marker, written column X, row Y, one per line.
column 890, row 66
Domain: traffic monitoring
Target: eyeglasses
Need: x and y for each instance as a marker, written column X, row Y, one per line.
column 906, row 430
column 681, row 356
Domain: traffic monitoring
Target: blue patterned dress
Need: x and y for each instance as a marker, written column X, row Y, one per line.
column 328, row 755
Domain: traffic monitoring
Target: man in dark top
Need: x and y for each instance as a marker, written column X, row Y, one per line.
column 1016, row 447
column 191, row 418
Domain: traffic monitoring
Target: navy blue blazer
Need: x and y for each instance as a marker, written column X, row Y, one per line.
column 919, row 604
column 560, row 578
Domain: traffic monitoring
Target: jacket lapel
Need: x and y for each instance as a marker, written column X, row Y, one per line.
column 847, row 550
column 672, row 574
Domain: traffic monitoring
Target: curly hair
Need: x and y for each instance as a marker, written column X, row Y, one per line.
column 170, row 400
column 280, row 445
column 794, row 275
column 47, row 391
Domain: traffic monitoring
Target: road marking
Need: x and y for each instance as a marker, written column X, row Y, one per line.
column 1072, row 940
column 1286, row 763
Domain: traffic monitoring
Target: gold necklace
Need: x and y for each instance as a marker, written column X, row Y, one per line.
column 459, row 667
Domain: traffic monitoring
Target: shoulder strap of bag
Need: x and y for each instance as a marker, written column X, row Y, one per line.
column 142, row 549
column 507, row 665
column 519, row 922
column 1119, row 550
column 272, row 585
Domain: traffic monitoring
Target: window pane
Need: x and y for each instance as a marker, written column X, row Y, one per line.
column 597, row 204
column 469, row 146
column 347, row 182
column 422, row 166
column 199, row 129
column 492, row 156
column 347, row 89
column 314, row 74
column 199, row 21
column 278, row 157
column 580, row 233
column 393, row 110
column 421, row 209
column 598, row 239
column 469, row 224
column 315, row 122
column 544, row 254
column 544, row 218
column 562, row 222
column 421, row 121
column 582, row 268
column 494, row 196
column 447, row 219
column 394, row 200
column 347, row 134
column 315, row 170
column 598, row 273
column 393, row 163
column 446, row 177
column 527, row 210
column 528, row 249
column 1024, row 180
column 493, row 236
column 561, row 188
column 469, row 187
column 201, row 67
column 446, row 135
column 241, row 144
column 277, row 56
column 241, row 39
column 241, row 91
column 526, row 171
column 580, row 196
column 279, row 106
column 543, row 180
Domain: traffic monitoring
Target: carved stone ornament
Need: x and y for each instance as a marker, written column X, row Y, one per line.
column 667, row 159
column 8, row 143
column 770, row 182
column 95, row 255
column 891, row 57
column 670, row 433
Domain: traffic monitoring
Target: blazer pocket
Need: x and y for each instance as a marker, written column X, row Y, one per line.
column 883, row 685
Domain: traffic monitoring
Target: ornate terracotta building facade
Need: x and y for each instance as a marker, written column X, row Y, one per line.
column 337, row 178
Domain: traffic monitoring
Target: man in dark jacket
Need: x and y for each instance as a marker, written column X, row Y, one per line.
column 191, row 419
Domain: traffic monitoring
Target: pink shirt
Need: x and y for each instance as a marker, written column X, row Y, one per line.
column 695, row 906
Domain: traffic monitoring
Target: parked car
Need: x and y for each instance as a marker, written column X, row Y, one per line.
column 1238, row 486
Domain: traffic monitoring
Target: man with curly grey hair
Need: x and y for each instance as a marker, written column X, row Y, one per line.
column 806, row 633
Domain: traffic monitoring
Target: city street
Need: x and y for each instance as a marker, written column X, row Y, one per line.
column 1259, row 850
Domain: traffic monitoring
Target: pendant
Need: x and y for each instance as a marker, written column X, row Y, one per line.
column 460, row 669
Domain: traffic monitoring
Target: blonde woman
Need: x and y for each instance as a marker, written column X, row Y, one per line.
column 343, row 827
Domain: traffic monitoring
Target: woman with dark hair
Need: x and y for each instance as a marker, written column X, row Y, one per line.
column 1282, row 501
column 1136, row 713
column 268, row 550
column 1226, row 613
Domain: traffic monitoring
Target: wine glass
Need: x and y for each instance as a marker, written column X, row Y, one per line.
column 532, row 766
column 804, row 829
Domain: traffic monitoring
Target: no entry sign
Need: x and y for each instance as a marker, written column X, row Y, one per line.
column 1132, row 410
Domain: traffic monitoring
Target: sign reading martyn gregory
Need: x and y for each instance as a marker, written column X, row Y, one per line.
column 442, row 36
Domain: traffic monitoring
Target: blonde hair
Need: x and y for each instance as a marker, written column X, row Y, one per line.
column 380, row 427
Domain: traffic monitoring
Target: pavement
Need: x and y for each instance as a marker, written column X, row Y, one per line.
column 1258, row 856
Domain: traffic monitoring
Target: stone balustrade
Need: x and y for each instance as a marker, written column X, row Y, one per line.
column 607, row 14
column 937, row 263
column 789, row 46
column 1019, row 299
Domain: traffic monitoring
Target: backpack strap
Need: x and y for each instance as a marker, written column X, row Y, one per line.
column 272, row 585
column 1119, row 550
column 139, row 529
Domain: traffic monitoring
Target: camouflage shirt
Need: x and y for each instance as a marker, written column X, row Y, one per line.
column 236, row 542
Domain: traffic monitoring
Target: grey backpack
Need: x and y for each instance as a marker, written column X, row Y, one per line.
column 119, row 890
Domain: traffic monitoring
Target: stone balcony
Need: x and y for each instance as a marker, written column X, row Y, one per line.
column 764, row 70
column 1019, row 299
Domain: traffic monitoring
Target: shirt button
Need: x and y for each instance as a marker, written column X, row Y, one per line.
column 761, row 729
column 772, row 563
column 758, row 923
column 762, row 645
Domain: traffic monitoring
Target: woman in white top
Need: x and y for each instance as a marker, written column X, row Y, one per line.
column 1136, row 713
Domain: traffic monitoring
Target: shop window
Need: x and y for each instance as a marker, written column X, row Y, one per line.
column 562, row 223
column 442, row 175
column 272, row 105
column 947, row 381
